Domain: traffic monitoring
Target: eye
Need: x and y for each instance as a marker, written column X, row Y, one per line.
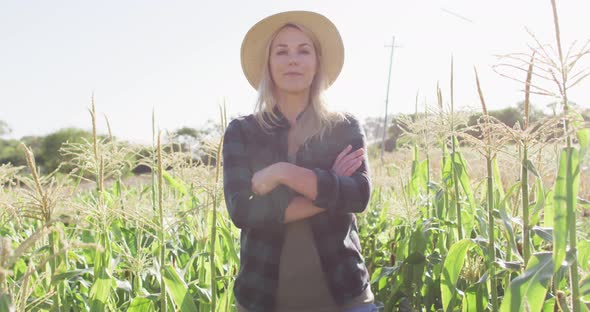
column 281, row 52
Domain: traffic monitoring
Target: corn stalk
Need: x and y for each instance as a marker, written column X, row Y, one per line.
column 490, row 197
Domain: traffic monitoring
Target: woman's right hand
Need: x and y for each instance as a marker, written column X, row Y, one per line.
column 348, row 162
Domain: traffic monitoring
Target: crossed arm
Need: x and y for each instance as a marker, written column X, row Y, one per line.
column 304, row 181
column 260, row 199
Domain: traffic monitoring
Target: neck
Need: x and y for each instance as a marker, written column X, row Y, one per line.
column 291, row 104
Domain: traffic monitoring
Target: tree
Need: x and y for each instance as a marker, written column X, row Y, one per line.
column 188, row 138
column 48, row 156
column 10, row 153
column 535, row 114
column 373, row 127
column 393, row 134
column 509, row 116
column 4, row 129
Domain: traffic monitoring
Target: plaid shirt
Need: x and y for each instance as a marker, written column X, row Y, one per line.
column 246, row 150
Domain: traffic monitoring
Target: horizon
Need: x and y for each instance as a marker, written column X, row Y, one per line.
column 544, row 109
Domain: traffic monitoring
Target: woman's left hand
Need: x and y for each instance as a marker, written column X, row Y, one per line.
column 265, row 180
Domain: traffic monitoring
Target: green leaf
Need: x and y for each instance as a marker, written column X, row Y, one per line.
column 497, row 178
column 177, row 289
column 585, row 288
column 549, row 305
column 384, row 272
column 584, row 255
column 99, row 294
column 545, row 233
column 415, row 258
column 177, row 185
column 451, row 269
column 563, row 202
column 583, row 135
column 229, row 242
column 461, row 166
column 69, row 275
column 531, row 168
column 116, row 189
column 141, row 304
column 103, row 282
column 507, row 220
column 124, row 285
column 527, row 291
column 476, row 298
column 548, row 209
column 6, row 303
column 204, row 294
column 467, row 212
column 419, row 175
column 514, row 266
column 539, row 201
column 447, row 173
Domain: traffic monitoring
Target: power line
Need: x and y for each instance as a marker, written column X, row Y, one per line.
column 457, row 15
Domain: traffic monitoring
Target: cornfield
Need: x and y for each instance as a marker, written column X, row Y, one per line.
column 470, row 218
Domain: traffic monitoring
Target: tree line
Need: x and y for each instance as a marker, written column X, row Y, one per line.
column 197, row 141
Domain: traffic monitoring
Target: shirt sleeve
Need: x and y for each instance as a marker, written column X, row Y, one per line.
column 246, row 209
column 340, row 194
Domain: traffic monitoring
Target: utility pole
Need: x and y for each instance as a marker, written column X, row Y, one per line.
column 392, row 46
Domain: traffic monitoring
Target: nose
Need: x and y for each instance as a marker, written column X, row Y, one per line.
column 293, row 60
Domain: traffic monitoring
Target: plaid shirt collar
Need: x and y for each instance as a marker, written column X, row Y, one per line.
column 282, row 122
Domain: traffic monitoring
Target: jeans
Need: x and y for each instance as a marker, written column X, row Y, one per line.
column 369, row 307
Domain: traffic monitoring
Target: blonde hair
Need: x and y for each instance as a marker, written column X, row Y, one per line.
column 316, row 119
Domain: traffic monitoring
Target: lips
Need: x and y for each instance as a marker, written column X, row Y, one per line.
column 293, row 74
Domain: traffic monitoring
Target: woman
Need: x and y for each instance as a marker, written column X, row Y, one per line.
column 295, row 174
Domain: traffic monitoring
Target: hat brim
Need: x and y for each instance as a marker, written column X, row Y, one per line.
column 255, row 42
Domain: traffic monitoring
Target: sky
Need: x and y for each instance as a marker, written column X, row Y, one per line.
column 181, row 59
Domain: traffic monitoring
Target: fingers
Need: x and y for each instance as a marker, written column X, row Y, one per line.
column 352, row 169
column 343, row 153
column 254, row 183
column 352, row 166
column 352, row 157
column 343, row 160
column 346, row 164
column 260, row 189
column 259, row 185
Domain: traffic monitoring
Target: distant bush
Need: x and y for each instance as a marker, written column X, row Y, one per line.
column 46, row 149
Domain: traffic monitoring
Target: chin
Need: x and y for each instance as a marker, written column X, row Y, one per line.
column 294, row 89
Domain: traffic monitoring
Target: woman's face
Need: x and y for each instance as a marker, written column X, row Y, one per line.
column 292, row 61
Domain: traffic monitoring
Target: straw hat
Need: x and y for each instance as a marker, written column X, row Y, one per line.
column 256, row 40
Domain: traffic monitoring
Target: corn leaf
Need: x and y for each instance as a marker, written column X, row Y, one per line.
column 527, row 291
column 562, row 202
column 141, row 304
column 583, row 135
column 6, row 303
column 476, row 298
column 99, row 294
column 177, row 289
column 451, row 269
